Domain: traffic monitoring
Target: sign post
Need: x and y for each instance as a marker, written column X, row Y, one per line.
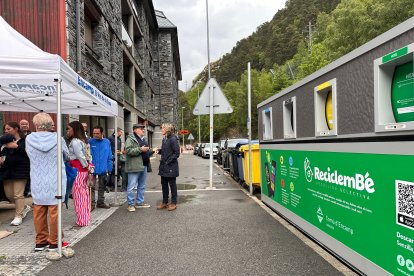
column 190, row 138
column 212, row 101
column 214, row 98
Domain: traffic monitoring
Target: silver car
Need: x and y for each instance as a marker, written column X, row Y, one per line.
column 206, row 150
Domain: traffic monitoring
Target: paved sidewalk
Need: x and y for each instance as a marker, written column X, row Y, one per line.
column 17, row 256
column 230, row 215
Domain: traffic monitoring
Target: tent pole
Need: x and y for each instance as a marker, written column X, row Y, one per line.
column 59, row 164
column 116, row 162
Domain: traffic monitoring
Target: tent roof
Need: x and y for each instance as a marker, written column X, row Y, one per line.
column 28, row 80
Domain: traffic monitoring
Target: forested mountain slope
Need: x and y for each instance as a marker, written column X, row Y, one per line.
column 281, row 55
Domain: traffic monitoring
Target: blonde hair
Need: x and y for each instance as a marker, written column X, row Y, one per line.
column 169, row 128
column 43, row 121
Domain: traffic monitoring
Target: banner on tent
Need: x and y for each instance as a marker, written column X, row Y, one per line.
column 32, row 88
column 94, row 91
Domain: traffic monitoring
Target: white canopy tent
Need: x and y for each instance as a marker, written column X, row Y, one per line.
column 28, row 78
column 32, row 80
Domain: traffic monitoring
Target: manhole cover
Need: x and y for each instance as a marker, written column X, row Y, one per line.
column 186, row 186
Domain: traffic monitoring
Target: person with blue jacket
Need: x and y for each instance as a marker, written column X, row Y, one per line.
column 102, row 160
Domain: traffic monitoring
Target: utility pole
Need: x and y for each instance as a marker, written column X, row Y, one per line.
column 211, row 93
column 182, row 123
column 199, row 128
column 310, row 30
column 291, row 72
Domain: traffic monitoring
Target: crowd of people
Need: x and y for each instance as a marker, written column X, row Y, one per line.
column 28, row 166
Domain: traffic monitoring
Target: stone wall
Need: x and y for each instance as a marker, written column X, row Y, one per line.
column 103, row 65
column 168, row 80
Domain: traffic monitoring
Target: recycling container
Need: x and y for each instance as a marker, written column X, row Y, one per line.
column 240, row 166
column 336, row 154
column 255, row 164
column 233, row 163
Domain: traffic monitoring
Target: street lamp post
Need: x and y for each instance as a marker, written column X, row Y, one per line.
column 199, row 132
column 182, row 123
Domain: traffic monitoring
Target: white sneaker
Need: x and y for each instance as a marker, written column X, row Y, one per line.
column 131, row 208
column 26, row 210
column 17, row 221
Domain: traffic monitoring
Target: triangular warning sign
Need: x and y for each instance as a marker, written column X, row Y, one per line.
column 220, row 103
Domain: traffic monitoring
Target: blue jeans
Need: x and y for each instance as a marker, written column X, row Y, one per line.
column 138, row 180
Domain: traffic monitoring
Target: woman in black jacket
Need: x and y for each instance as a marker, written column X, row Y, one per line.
column 15, row 169
column 170, row 151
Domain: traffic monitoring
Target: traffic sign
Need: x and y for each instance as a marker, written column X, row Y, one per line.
column 184, row 131
column 220, row 103
column 190, row 137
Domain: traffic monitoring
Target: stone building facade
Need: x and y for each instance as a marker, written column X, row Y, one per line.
column 119, row 47
column 168, row 69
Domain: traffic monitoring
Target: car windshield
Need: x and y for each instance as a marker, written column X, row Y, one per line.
column 233, row 142
column 208, row 145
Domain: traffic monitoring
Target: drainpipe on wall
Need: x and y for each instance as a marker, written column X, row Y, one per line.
column 159, row 76
column 78, row 38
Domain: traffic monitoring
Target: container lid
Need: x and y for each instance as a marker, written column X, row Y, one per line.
column 246, row 147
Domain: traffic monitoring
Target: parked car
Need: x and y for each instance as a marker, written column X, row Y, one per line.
column 220, row 151
column 229, row 145
column 196, row 148
column 200, row 149
column 189, row 147
column 206, row 150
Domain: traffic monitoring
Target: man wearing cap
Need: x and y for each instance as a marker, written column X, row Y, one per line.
column 119, row 132
column 137, row 164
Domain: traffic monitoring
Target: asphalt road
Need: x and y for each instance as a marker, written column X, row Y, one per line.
column 221, row 232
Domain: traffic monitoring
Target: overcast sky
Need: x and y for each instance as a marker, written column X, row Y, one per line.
column 229, row 22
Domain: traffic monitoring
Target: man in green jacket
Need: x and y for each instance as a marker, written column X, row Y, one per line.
column 136, row 165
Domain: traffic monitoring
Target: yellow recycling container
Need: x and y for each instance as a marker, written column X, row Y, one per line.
column 255, row 164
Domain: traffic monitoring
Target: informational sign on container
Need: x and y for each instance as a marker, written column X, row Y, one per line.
column 364, row 201
column 402, row 93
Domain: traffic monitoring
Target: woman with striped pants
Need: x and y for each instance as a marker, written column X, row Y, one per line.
column 80, row 191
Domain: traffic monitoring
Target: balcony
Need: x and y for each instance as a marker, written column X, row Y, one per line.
column 128, row 94
column 126, row 38
column 134, row 53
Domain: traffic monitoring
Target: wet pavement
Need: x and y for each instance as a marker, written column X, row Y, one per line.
column 212, row 232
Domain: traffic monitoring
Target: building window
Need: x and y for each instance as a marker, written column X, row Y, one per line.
column 88, row 33
column 92, row 19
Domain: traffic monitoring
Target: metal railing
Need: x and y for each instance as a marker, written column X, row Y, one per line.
column 128, row 94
